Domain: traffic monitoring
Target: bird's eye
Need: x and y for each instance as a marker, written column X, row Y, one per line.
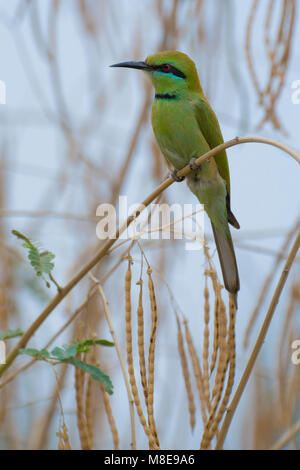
column 166, row 68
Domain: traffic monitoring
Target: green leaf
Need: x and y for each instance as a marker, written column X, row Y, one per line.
column 84, row 344
column 65, row 353
column 11, row 333
column 37, row 353
column 95, row 372
column 104, row 342
column 40, row 261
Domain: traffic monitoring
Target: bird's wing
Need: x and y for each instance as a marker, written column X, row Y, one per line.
column 210, row 128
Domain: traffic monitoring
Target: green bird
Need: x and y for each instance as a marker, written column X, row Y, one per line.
column 186, row 127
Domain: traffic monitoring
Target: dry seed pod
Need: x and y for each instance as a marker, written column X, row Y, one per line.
column 197, row 370
column 186, row 375
column 151, row 355
column 223, row 356
column 61, row 444
column 136, row 398
column 231, row 352
column 111, row 420
column 211, row 272
column 206, row 346
column 66, row 437
column 217, row 292
column 64, row 441
column 220, row 375
column 89, row 410
column 141, row 346
column 89, row 415
column 81, row 421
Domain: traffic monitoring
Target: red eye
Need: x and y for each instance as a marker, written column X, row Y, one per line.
column 166, row 68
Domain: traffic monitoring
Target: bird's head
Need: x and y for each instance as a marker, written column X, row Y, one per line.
column 169, row 71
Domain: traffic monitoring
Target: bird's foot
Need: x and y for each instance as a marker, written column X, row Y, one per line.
column 176, row 178
column 193, row 165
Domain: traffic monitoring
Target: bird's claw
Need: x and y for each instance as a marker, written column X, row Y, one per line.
column 176, row 178
column 193, row 165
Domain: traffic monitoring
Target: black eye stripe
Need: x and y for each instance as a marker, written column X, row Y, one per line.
column 172, row 70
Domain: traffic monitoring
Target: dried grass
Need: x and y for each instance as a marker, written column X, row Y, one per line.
column 207, row 358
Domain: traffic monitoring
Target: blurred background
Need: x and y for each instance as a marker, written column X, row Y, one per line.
column 74, row 134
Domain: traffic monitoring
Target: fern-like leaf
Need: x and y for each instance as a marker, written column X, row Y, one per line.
column 41, row 261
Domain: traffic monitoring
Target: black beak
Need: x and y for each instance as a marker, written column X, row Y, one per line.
column 134, row 65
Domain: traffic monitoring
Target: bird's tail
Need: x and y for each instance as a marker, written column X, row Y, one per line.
column 228, row 261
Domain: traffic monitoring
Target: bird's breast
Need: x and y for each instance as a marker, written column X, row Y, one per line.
column 177, row 131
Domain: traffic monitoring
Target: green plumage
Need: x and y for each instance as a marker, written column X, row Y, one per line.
column 186, row 127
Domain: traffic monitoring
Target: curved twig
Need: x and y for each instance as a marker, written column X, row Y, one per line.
column 110, row 242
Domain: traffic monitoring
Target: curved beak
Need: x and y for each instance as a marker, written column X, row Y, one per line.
column 134, row 65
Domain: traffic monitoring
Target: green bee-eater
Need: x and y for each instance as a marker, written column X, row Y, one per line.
column 186, row 127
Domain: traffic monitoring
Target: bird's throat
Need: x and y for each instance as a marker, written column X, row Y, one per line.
column 165, row 96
